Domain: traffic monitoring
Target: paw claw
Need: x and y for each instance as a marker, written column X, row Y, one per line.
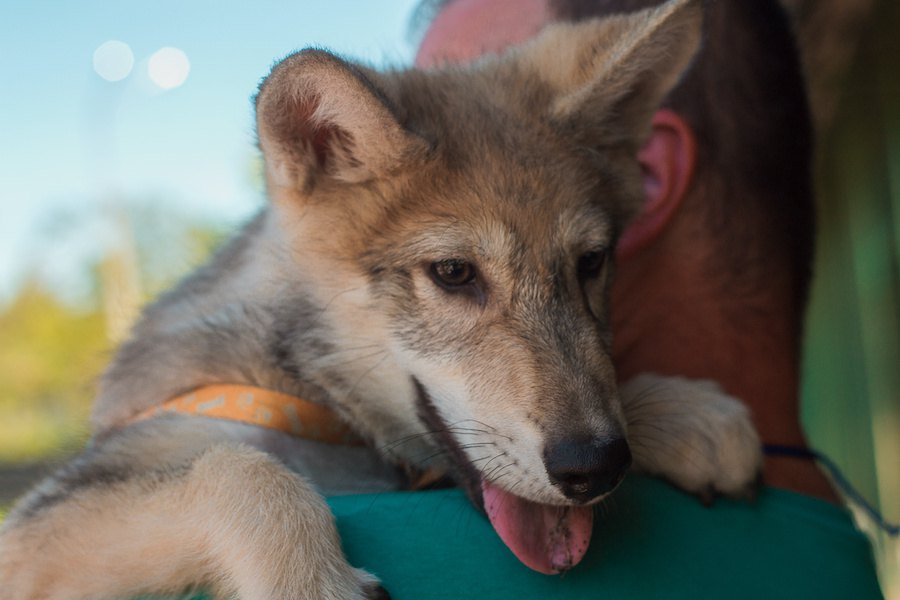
column 377, row 593
column 751, row 492
column 707, row 496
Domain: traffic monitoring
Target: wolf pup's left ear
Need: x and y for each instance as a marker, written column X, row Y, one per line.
column 319, row 117
column 611, row 74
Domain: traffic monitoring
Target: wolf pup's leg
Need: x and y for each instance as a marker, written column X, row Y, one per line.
column 232, row 519
column 693, row 434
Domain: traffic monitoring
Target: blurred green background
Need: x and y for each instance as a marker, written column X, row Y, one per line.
column 851, row 392
column 54, row 343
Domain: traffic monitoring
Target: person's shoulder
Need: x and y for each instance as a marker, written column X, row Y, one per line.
column 650, row 541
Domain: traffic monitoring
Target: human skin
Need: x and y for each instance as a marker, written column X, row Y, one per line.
column 683, row 325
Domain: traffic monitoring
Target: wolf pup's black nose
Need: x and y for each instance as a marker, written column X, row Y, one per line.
column 585, row 468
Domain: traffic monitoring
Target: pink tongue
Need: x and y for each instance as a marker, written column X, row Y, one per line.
column 548, row 539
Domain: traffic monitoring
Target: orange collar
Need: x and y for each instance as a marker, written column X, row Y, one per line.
column 263, row 408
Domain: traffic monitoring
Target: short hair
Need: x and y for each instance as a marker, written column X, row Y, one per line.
column 745, row 99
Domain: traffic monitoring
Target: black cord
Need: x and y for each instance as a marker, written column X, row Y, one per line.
column 846, row 487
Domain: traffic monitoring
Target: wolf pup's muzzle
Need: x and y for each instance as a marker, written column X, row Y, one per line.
column 586, row 468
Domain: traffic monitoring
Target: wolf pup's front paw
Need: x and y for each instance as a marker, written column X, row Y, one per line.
column 693, row 434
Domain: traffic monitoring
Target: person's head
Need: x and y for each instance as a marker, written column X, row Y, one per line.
column 733, row 150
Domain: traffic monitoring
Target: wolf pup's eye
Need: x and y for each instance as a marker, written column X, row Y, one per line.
column 452, row 272
column 590, row 264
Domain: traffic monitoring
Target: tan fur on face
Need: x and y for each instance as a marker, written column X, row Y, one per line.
column 519, row 243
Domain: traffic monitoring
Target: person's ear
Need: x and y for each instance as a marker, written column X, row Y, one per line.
column 667, row 162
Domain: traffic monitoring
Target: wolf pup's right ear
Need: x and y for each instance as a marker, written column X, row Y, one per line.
column 318, row 116
column 611, row 74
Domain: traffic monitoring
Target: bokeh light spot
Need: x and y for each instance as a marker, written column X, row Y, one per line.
column 168, row 67
column 113, row 60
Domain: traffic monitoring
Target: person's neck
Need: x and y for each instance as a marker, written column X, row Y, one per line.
column 685, row 324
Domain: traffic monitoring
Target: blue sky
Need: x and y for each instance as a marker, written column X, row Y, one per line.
column 73, row 144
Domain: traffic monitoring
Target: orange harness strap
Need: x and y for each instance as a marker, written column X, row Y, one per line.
column 263, row 408
column 274, row 410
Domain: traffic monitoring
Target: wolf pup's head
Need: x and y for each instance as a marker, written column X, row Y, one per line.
column 455, row 228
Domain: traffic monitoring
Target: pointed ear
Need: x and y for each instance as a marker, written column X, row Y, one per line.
column 318, row 116
column 611, row 74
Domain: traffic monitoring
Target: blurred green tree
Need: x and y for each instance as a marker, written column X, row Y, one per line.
column 50, row 355
column 53, row 350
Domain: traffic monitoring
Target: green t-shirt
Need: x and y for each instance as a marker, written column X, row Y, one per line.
column 650, row 541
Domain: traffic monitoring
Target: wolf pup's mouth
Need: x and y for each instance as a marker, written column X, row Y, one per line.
column 549, row 539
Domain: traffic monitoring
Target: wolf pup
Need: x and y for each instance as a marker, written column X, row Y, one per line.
column 430, row 277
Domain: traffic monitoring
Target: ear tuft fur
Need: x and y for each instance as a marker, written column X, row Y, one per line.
column 611, row 74
column 319, row 116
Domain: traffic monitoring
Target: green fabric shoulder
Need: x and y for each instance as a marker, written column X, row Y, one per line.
column 651, row 541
